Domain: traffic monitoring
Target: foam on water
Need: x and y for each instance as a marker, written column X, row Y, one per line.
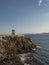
column 39, row 47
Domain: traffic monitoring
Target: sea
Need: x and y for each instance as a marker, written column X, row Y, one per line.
column 42, row 53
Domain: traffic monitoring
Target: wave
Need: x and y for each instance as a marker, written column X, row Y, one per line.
column 42, row 55
column 39, row 47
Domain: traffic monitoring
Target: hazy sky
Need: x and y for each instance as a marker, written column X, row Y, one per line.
column 25, row 16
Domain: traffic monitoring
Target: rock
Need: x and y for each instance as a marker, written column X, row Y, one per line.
column 11, row 46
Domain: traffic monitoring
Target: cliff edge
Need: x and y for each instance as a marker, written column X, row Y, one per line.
column 10, row 46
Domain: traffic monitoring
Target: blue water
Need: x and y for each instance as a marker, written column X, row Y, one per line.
column 44, row 43
column 42, row 53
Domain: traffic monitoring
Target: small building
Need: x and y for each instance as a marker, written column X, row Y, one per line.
column 13, row 32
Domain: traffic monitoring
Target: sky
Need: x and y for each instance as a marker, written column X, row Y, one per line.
column 25, row 16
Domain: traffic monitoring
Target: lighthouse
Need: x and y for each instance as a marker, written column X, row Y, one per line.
column 13, row 32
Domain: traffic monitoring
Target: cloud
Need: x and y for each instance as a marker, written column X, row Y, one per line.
column 43, row 2
column 40, row 2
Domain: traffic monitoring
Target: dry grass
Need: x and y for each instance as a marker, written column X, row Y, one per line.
column 11, row 46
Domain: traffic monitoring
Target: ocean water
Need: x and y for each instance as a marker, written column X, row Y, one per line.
column 42, row 53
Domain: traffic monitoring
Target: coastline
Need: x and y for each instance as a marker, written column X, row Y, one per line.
column 11, row 46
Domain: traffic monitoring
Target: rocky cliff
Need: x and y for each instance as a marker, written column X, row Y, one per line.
column 10, row 46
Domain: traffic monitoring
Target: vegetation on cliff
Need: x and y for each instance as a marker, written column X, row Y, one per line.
column 10, row 46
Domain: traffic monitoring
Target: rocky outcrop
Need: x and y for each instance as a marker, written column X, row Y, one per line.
column 10, row 46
